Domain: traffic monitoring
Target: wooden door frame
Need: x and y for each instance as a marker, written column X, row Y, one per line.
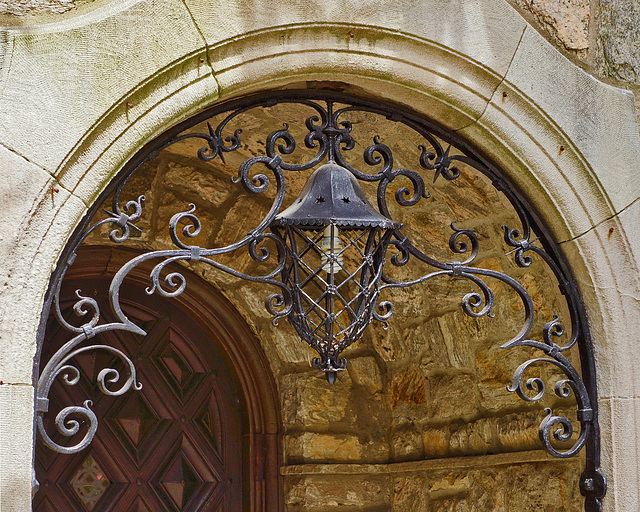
column 241, row 351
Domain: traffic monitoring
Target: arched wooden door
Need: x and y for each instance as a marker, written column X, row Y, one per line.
column 178, row 444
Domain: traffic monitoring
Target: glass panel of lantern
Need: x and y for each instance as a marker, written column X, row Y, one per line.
column 336, row 243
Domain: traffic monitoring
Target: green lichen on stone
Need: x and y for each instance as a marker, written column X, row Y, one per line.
column 619, row 33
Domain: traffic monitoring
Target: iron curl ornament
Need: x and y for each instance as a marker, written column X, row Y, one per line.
column 327, row 253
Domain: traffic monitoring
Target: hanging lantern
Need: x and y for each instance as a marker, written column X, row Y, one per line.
column 336, row 243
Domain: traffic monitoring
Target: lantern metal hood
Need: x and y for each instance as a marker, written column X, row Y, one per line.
column 335, row 244
column 332, row 195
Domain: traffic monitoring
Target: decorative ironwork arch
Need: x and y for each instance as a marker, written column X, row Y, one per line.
column 330, row 137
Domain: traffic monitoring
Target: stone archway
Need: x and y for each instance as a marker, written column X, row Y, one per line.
column 477, row 64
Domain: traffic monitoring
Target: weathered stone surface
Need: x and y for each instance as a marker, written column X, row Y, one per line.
column 456, row 484
column 519, row 431
column 26, row 270
column 51, row 66
column 408, row 387
column 352, row 492
column 22, row 7
column 436, row 442
column 473, row 438
column 406, row 444
column 617, row 148
column 365, row 372
column 16, row 433
column 408, row 493
column 619, row 33
column 452, row 396
column 566, row 20
column 310, row 447
column 307, row 399
column 542, row 487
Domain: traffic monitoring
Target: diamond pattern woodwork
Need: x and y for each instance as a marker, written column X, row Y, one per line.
column 181, row 375
column 174, row 446
column 182, row 483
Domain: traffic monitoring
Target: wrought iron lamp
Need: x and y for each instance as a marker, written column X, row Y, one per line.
column 335, row 249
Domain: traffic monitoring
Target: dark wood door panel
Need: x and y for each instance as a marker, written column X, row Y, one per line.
column 175, row 445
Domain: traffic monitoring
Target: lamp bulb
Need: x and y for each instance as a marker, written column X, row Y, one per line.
column 331, row 245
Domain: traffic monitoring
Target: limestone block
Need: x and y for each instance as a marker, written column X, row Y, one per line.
column 16, row 432
column 526, row 144
column 370, row 46
column 610, row 293
column 485, row 31
column 572, row 155
column 619, row 425
column 24, row 190
column 455, row 93
column 599, row 120
column 29, row 263
column 23, row 184
column 63, row 77
column 623, row 232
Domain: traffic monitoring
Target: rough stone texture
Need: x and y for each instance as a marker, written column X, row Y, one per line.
column 619, row 33
column 329, row 492
column 462, row 484
column 566, row 20
column 364, row 371
column 332, row 448
column 22, row 7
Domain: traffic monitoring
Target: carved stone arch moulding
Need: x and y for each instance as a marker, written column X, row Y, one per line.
column 304, row 167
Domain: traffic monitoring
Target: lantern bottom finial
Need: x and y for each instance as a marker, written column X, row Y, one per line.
column 330, row 367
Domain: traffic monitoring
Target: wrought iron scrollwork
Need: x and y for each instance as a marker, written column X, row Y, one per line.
column 330, row 137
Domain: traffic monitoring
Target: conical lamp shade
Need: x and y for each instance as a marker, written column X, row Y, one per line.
column 332, row 195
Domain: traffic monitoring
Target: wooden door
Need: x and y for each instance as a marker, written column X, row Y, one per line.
column 176, row 445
